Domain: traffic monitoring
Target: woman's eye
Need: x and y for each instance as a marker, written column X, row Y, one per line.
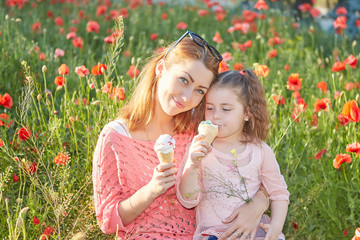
column 209, row 108
column 200, row 91
column 184, row 80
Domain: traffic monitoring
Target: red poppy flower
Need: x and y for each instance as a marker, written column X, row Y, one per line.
column 107, row 88
column 262, row 70
column 341, row 11
column 153, row 37
column 261, row 5
column 203, row 12
column 272, row 53
column 286, row 67
column 133, row 71
column 223, row 67
column 340, row 159
column 61, row 159
column 47, row 232
column 36, row 27
column 238, row 66
column 119, row 93
column 217, row 38
column 337, row 95
column 279, row 100
column 63, row 69
column 30, row 167
column 340, row 22
column 59, row 53
column 15, row 178
column 60, row 81
column 59, row 21
column 298, row 110
column 315, row 12
column 350, row 112
column 357, row 234
column 226, row 56
column 24, row 133
column 164, row 16
column 78, row 42
column 181, row 25
column 319, row 154
column 322, row 104
column 295, row 226
column 82, row 71
column 4, row 120
column 1, row 143
column 314, row 120
column 92, row 26
column 6, row 101
column 101, row 10
column 98, row 69
column 275, row 41
column 294, row 82
column 353, row 147
column 248, row 43
column 71, row 35
column 322, row 85
column 36, row 221
column 351, row 60
column 349, row 86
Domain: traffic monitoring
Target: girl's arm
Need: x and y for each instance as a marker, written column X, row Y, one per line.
column 189, row 181
column 278, row 215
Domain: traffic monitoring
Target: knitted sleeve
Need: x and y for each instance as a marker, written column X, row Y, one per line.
column 184, row 202
column 107, row 187
column 271, row 177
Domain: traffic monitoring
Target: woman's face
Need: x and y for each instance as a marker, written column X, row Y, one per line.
column 182, row 86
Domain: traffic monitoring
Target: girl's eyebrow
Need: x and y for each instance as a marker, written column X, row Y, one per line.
column 192, row 80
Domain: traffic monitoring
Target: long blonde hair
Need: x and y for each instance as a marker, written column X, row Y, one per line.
column 139, row 111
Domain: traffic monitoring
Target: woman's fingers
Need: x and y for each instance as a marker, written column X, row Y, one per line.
column 164, row 166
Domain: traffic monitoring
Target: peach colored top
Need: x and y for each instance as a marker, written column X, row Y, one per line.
column 121, row 166
column 221, row 180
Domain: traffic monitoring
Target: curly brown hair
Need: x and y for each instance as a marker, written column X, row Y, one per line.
column 252, row 95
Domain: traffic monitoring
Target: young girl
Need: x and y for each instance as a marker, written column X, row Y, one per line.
column 218, row 181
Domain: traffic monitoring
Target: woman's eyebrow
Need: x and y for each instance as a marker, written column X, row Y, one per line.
column 192, row 80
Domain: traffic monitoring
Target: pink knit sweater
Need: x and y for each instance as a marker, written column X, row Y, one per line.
column 121, row 166
column 220, row 179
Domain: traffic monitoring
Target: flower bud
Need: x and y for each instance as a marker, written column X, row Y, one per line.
column 91, row 86
column 72, row 119
column 96, row 102
column 39, row 97
column 44, row 69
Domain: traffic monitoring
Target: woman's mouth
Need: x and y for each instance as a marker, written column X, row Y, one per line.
column 178, row 104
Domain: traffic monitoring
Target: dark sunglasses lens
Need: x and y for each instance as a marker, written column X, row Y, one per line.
column 215, row 53
column 198, row 40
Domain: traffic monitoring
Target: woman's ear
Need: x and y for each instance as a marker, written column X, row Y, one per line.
column 159, row 67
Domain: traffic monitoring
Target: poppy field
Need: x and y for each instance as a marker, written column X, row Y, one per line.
column 68, row 66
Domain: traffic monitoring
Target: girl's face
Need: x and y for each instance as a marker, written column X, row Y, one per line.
column 182, row 86
column 224, row 109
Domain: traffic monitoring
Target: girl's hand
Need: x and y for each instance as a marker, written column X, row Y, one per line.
column 245, row 220
column 163, row 178
column 198, row 150
column 271, row 232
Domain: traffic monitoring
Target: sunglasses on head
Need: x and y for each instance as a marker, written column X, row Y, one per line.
column 199, row 41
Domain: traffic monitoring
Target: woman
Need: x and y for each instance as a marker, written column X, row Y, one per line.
column 134, row 195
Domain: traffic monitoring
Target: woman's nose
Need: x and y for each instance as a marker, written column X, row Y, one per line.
column 187, row 95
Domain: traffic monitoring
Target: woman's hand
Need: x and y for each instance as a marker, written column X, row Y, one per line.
column 198, row 150
column 163, row 178
column 245, row 219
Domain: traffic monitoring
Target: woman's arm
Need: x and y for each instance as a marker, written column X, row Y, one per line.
column 163, row 178
column 246, row 218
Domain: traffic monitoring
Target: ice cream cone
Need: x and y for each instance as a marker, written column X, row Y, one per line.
column 164, row 148
column 209, row 130
column 165, row 157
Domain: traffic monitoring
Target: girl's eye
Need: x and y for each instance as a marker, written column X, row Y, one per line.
column 184, row 80
column 226, row 109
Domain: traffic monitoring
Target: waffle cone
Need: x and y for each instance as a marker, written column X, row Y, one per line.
column 210, row 133
column 166, row 157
